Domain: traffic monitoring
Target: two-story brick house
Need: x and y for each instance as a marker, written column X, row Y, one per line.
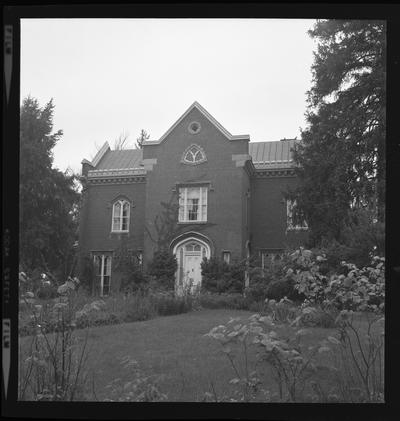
column 198, row 190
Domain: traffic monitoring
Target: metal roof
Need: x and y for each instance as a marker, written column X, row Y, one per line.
column 272, row 154
column 264, row 155
column 121, row 159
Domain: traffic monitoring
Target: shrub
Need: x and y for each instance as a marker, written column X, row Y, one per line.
column 134, row 280
column 167, row 304
column 234, row 301
column 163, row 267
column 356, row 289
column 283, row 288
column 54, row 368
column 258, row 285
column 218, row 276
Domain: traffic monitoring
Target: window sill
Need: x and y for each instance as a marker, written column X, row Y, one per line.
column 297, row 229
column 119, row 232
column 191, row 222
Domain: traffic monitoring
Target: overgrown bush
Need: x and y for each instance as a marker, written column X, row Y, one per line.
column 356, row 289
column 135, row 386
column 167, row 304
column 221, row 277
column 134, row 280
column 258, row 285
column 234, row 301
column 52, row 366
column 271, row 282
column 162, row 268
column 282, row 288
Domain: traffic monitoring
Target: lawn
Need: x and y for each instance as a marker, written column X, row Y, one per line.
column 171, row 347
column 175, row 350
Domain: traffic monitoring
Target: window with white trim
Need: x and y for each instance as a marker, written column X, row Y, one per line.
column 291, row 223
column 120, row 216
column 103, row 273
column 193, row 204
column 226, row 256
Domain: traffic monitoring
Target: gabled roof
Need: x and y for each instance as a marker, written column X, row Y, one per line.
column 208, row 116
column 276, row 154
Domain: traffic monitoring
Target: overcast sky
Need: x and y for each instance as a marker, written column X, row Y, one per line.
column 109, row 76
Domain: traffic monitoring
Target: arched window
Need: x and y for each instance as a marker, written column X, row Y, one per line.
column 120, row 216
column 194, row 155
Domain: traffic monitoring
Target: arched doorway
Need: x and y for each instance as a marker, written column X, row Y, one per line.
column 189, row 254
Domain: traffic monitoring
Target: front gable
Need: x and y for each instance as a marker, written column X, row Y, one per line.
column 195, row 127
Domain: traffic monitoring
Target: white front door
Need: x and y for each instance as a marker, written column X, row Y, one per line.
column 189, row 257
column 192, row 271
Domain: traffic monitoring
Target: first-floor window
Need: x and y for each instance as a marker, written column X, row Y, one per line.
column 226, row 256
column 292, row 223
column 103, row 268
column 268, row 258
column 193, row 204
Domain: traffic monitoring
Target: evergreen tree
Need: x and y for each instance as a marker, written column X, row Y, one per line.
column 341, row 159
column 48, row 197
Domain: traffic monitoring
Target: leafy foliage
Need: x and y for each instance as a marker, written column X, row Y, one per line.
column 48, row 198
column 342, row 154
column 163, row 267
column 55, row 367
column 128, row 264
column 219, row 276
column 355, row 289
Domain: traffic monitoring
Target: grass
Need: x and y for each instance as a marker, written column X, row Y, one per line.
column 174, row 349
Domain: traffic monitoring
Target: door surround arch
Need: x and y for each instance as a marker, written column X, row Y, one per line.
column 189, row 250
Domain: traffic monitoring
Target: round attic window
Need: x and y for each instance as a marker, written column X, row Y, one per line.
column 194, row 127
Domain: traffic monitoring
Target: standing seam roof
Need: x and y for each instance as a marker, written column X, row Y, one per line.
column 125, row 158
column 264, row 154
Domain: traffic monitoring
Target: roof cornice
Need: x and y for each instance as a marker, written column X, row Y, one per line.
column 205, row 114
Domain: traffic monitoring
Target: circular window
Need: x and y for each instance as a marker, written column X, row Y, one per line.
column 194, row 127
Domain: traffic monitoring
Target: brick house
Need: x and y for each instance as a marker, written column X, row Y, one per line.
column 198, row 190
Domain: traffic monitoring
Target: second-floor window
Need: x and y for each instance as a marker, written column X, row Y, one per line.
column 120, row 216
column 193, row 204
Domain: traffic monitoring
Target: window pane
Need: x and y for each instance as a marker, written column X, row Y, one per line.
column 193, row 207
column 193, row 192
column 98, row 264
column 125, row 209
column 181, row 215
column 107, row 265
column 116, row 222
column 124, row 224
column 106, row 285
column 117, row 210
